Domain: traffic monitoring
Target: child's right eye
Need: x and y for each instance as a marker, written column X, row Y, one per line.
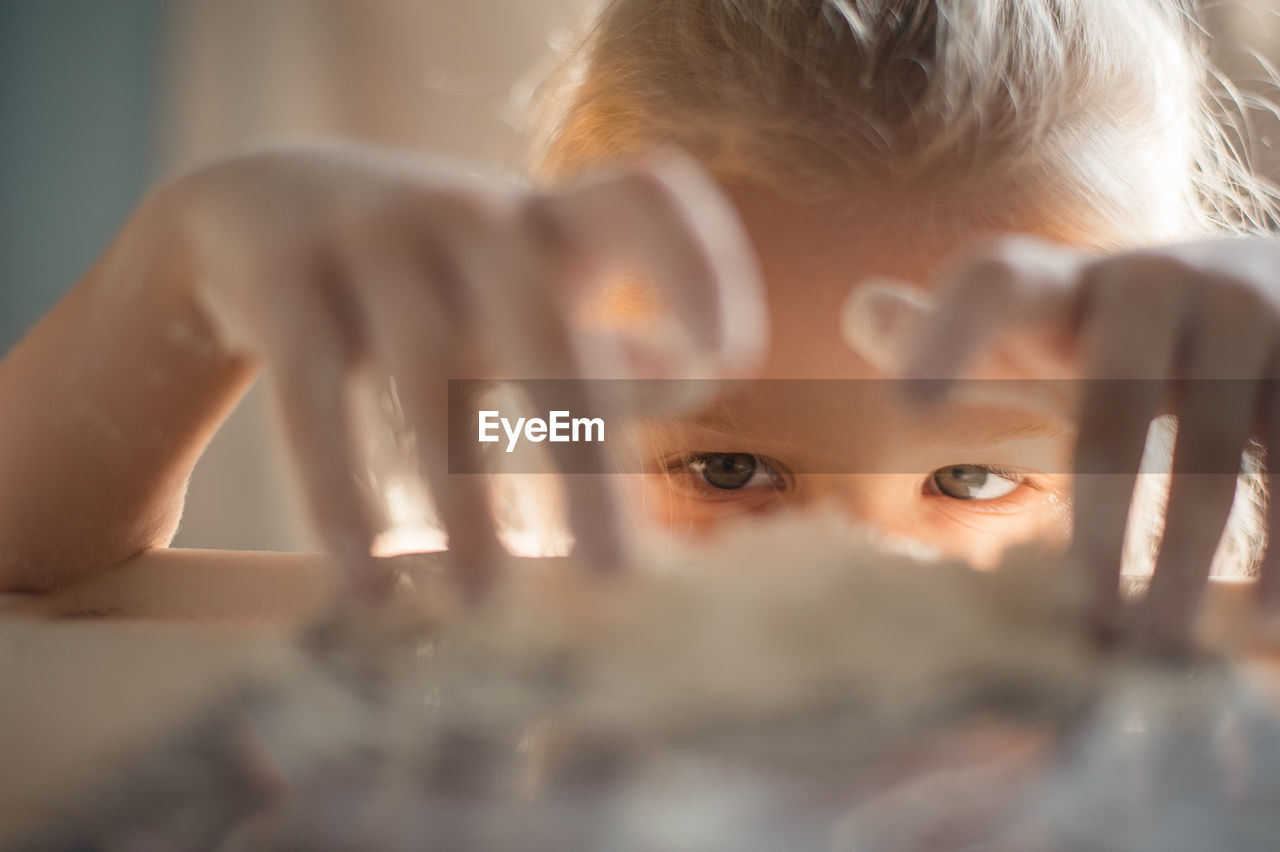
column 732, row 471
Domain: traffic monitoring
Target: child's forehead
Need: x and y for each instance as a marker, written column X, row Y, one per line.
column 879, row 230
column 814, row 255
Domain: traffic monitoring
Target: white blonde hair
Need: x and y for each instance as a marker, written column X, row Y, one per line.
column 1108, row 109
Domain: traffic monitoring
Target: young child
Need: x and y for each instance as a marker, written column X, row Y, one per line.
column 824, row 143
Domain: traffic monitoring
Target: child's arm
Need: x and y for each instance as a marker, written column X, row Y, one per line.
column 312, row 262
column 104, row 409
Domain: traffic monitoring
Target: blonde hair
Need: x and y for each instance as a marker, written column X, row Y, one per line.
column 1108, row 110
column 1105, row 116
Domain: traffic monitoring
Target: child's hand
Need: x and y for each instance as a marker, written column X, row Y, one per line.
column 1026, row 308
column 315, row 261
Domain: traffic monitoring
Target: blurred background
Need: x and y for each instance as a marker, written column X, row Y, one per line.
column 100, row 99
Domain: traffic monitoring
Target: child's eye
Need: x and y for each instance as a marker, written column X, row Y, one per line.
column 733, row 471
column 974, row 482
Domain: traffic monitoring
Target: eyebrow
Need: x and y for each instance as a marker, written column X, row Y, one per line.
column 724, row 420
column 1042, row 428
column 718, row 420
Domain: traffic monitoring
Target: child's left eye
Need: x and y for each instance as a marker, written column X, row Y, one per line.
column 974, row 482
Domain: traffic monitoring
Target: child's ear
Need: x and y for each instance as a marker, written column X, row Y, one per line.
column 880, row 321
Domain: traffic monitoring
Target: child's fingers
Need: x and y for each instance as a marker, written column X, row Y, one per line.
column 532, row 333
column 537, row 337
column 591, row 504
column 672, row 220
column 882, row 320
column 1226, row 358
column 310, row 358
column 462, row 500
column 414, row 337
column 481, row 278
column 1017, row 284
column 1128, row 341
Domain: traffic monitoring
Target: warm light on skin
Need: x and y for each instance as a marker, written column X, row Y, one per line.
column 880, row 449
column 811, row 260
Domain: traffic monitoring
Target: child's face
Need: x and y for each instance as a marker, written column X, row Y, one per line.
column 860, row 447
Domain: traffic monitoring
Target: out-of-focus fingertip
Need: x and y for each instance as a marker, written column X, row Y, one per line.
column 881, row 319
column 932, row 357
column 743, row 342
column 744, row 337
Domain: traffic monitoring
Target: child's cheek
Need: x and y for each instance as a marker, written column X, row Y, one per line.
column 981, row 537
column 676, row 509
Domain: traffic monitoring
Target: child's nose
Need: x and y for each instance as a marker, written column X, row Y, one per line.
column 870, row 506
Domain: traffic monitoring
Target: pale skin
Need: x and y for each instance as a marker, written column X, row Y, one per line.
column 313, row 263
